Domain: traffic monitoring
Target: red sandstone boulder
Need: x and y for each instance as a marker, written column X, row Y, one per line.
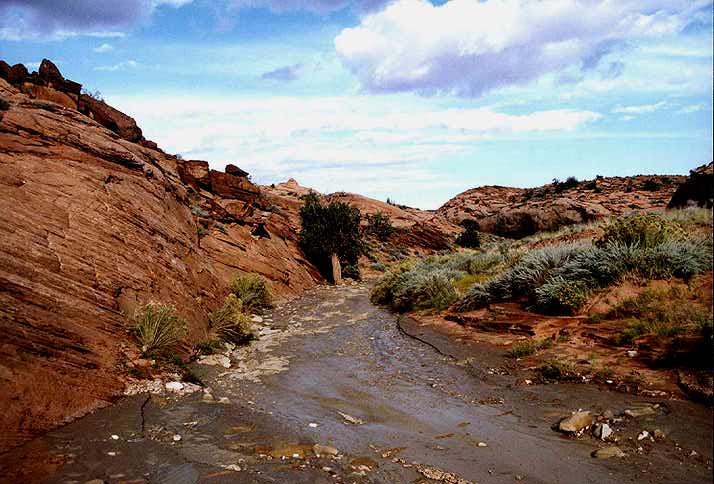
column 234, row 170
column 111, row 118
column 230, row 186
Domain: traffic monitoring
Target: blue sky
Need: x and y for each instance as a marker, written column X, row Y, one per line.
column 407, row 99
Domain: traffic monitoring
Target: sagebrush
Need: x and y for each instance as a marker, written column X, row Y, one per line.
column 253, row 290
column 157, row 326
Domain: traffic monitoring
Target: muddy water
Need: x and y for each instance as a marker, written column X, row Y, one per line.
column 332, row 369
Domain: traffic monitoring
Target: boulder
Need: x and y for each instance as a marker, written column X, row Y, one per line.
column 230, row 186
column 608, row 452
column 195, row 173
column 110, row 118
column 50, row 74
column 697, row 190
column 48, row 94
column 576, row 422
column 4, row 70
column 17, row 74
column 234, row 170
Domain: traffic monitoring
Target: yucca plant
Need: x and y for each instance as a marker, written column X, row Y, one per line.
column 157, row 326
column 228, row 323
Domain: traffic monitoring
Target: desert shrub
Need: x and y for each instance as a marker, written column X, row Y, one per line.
column 4, row 105
column 561, row 186
column 157, row 326
column 425, row 289
column 644, row 229
column 561, row 296
column 691, row 217
column 330, row 229
column 253, row 290
column 228, row 323
column 665, row 313
column 383, row 292
column 379, row 225
column 210, row 346
column 470, row 237
column 378, row 266
column 519, row 349
column 557, row 369
column 651, row 185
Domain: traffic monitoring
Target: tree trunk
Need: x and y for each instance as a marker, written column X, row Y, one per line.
column 336, row 269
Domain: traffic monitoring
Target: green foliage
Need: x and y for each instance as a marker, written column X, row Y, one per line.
column 559, row 296
column 431, row 283
column 330, row 229
column 651, row 185
column 379, row 225
column 228, row 323
column 210, row 346
column 520, row 349
column 157, row 326
column 470, row 237
column 561, row 186
column 665, row 313
column 253, row 291
column 643, row 229
column 557, row 369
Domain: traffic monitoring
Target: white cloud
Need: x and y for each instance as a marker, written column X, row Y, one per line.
column 121, row 66
column 641, row 109
column 101, row 49
column 333, row 142
column 694, row 108
column 468, row 47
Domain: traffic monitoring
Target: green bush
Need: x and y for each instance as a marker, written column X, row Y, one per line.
column 253, row 290
column 519, row 349
column 379, row 225
column 643, row 229
column 560, row 296
column 157, row 326
column 330, row 229
column 383, row 292
column 228, row 323
column 470, row 237
column 561, row 186
column 651, row 185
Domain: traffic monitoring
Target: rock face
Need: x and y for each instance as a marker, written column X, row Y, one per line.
column 92, row 224
column 697, row 190
column 518, row 212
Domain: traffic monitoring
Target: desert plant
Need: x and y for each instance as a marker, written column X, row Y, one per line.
column 527, row 347
column 470, row 237
column 379, row 225
column 560, row 296
column 228, row 323
column 644, row 229
column 157, row 326
column 651, row 185
column 561, row 186
column 4, row 105
column 253, row 290
column 330, row 229
column 383, row 292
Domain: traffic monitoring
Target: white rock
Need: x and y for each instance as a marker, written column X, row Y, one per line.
column 177, row 438
column 643, row 435
column 632, row 353
column 312, row 424
column 233, row 467
column 115, row 437
column 174, row 386
column 482, row 444
column 605, row 431
column 215, row 360
column 256, row 319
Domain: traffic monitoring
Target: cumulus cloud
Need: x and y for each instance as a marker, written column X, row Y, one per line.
column 352, row 143
column 285, row 73
column 101, row 49
column 58, row 19
column 467, row 47
column 641, row 108
column 316, row 6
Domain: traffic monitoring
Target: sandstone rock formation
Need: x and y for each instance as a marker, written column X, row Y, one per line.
column 517, row 212
column 92, row 224
column 94, row 220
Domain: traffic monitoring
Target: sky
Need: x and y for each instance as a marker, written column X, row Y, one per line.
column 410, row 100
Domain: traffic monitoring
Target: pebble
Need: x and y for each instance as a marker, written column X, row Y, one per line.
column 111, row 453
column 115, row 437
column 658, row 434
column 608, row 452
column 256, row 319
column 632, row 353
column 312, row 425
column 233, row 467
column 640, row 412
column 643, row 435
column 174, row 386
column 576, row 422
column 215, row 360
column 482, row 444
column 177, row 438
column 321, row 450
column 602, row 431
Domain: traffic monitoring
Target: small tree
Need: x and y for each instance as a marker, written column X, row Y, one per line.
column 331, row 229
column 379, row 225
column 470, row 237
